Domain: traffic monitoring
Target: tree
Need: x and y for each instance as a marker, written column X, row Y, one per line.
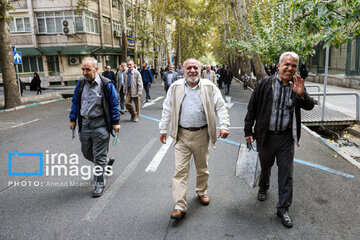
column 11, row 88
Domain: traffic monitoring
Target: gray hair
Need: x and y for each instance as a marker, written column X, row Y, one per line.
column 292, row 54
column 92, row 60
column 131, row 61
column 191, row 59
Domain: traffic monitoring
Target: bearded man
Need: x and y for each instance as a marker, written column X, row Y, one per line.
column 190, row 106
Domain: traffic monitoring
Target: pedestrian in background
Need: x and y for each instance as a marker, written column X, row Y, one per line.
column 303, row 71
column 36, row 83
column 209, row 74
column 169, row 77
column 245, row 78
column 95, row 107
column 147, row 78
column 110, row 75
column 180, row 71
column 120, row 81
column 274, row 107
column 133, row 90
column 192, row 128
column 227, row 80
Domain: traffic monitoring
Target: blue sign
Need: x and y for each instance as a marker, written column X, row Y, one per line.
column 17, row 57
column 14, row 157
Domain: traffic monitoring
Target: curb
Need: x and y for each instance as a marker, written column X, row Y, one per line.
column 332, row 146
column 30, row 105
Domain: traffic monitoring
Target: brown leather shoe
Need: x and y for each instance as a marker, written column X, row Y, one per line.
column 204, row 199
column 177, row 214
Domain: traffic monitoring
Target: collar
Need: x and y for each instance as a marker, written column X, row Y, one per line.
column 280, row 81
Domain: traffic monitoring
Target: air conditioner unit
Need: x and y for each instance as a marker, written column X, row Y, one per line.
column 117, row 33
column 68, row 26
column 74, row 60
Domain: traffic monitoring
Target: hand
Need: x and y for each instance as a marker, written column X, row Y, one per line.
column 140, row 95
column 116, row 128
column 117, row 90
column 298, row 85
column 163, row 138
column 249, row 139
column 72, row 125
column 223, row 133
column 162, row 84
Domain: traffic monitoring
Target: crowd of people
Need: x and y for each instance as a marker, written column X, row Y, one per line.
column 192, row 103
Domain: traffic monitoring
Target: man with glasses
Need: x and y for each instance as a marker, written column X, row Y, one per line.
column 96, row 108
column 190, row 108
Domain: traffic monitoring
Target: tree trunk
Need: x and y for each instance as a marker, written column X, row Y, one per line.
column 11, row 88
column 123, row 32
column 178, row 31
column 135, row 32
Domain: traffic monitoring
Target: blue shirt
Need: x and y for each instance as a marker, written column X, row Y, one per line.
column 129, row 78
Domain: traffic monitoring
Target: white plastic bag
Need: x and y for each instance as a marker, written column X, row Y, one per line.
column 248, row 166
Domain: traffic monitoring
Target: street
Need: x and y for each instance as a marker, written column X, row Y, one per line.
column 137, row 203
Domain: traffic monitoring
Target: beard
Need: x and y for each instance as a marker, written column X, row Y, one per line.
column 188, row 79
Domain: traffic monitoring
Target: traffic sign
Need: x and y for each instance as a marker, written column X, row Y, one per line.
column 17, row 58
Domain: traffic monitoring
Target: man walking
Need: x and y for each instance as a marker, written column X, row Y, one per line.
column 96, row 108
column 191, row 106
column 245, row 78
column 180, row 71
column 275, row 107
column 133, row 90
column 120, row 81
column 110, row 75
column 147, row 78
column 209, row 74
column 169, row 77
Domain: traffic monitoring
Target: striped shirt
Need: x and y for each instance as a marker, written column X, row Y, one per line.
column 282, row 106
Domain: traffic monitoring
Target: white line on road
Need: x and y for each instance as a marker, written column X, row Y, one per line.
column 21, row 124
column 152, row 102
column 229, row 104
column 154, row 164
column 104, row 200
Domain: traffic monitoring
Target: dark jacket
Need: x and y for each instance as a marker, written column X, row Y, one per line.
column 110, row 75
column 165, row 78
column 228, row 77
column 110, row 103
column 146, row 75
column 259, row 109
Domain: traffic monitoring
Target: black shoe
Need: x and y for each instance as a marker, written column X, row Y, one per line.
column 111, row 161
column 99, row 190
column 132, row 118
column 262, row 195
column 285, row 219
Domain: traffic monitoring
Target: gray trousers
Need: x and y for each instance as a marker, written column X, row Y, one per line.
column 280, row 146
column 94, row 138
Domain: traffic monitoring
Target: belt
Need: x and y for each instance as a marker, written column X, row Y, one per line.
column 92, row 118
column 194, row 129
column 280, row 132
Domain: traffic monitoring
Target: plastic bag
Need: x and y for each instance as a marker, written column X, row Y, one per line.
column 248, row 166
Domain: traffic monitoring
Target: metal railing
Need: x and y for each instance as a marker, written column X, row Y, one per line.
column 357, row 95
column 318, row 88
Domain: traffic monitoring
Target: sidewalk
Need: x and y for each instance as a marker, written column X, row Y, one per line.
column 53, row 92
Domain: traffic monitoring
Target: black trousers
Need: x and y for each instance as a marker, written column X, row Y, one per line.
column 281, row 146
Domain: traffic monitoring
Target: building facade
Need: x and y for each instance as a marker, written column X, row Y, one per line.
column 53, row 37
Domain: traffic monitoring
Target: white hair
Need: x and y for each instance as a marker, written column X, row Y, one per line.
column 92, row 60
column 191, row 59
column 292, row 54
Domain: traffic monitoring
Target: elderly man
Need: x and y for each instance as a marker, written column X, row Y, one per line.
column 120, row 81
column 180, row 71
column 96, row 108
column 190, row 106
column 274, row 107
column 169, row 77
column 133, row 90
column 110, row 75
column 209, row 74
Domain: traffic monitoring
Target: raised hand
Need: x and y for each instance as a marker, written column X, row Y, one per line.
column 297, row 85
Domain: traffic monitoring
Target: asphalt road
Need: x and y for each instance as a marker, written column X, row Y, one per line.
column 137, row 204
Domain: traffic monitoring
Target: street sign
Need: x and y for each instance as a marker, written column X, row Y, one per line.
column 17, row 58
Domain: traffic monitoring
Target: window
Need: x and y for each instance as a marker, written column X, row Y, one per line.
column 31, row 64
column 106, row 19
column 20, row 25
column 91, row 23
column 116, row 26
column 51, row 22
column 53, row 64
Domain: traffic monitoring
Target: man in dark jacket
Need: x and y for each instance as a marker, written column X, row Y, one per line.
column 96, row 108
column 274, row 107
column 147, row 78
column 110, row 75
column 169, row 77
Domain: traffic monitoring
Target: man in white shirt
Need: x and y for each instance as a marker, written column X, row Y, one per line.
column 190, row 108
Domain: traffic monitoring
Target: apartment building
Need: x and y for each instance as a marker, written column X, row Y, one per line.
column 53, row 37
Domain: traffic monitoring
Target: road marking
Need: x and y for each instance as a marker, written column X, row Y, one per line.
column 151, row 118
column 229, row 104
column 21, row 124
column 244, row 103
column 104, row 200
column 152, row 102
column 154, row 164
column 10, row 123
column 296, row 160
column 234, row 127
